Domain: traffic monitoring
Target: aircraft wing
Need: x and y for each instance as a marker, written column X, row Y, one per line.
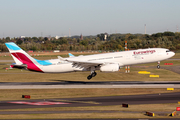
column 84, row 64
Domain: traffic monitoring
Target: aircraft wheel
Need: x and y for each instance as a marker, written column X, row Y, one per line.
column 89, row 77
column 158, row 66
column 94, row 74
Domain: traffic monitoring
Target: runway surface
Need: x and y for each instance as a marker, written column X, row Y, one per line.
column 88, row 101
column 89, row 84
column 93, row 101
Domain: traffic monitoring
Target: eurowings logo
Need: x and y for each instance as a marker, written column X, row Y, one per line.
column 144, row 52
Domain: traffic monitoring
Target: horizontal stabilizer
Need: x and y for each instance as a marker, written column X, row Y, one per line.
column 23, row 66
column 60, row 58
column 71, row 55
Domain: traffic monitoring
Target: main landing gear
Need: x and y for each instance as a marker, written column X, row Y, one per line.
column 158, row 66
column 93, row 74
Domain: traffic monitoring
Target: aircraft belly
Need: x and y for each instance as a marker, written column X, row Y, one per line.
column 58, row 68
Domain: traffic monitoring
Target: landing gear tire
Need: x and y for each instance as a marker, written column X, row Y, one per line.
column 93, row 74
column 89, row 77
column 158, row 66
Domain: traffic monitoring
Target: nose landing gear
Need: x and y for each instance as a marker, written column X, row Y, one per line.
column 158, row 66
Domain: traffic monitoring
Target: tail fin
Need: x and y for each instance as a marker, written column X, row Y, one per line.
column 12, row 47
column 21, row 57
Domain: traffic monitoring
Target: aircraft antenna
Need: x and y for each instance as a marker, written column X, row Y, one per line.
column 145, row 29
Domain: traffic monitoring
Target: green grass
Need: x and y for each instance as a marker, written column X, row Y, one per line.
column 26, row 76
column 82, row 116
column 73, row 116
column 10, row 94
column 17, row 75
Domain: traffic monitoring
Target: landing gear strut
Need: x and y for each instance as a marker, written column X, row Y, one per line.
column 158, row 66
column 93, row 74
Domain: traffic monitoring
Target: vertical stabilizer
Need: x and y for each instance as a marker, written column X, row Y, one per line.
column 13, row 48
column 21, row 57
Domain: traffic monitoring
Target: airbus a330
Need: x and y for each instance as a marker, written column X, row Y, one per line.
column 106, row 62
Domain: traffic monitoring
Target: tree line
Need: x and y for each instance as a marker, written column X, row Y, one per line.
column 112, row 42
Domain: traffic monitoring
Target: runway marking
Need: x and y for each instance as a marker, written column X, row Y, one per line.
column 39, row 103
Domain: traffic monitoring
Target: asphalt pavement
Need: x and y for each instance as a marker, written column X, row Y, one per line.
column 93, row 101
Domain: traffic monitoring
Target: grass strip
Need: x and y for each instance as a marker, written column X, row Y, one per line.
column 80, row 116
column 16, row 75
column 16, row 94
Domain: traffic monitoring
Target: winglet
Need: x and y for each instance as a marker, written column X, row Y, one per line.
column 71, row 55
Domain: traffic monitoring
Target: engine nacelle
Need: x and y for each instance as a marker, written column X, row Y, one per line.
column 109, row 68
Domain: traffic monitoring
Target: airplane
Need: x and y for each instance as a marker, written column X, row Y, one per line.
column 105, row 62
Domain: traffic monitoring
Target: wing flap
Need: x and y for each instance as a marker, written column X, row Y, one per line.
column 84, row 64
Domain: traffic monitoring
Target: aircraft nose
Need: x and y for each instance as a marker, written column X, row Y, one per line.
column 172, row 53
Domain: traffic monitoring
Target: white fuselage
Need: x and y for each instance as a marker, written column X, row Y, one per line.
column 121, row 58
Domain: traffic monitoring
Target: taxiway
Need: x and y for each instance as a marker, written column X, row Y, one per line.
column 79, row 84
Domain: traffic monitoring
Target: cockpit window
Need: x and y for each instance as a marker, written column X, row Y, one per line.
column 168, row 51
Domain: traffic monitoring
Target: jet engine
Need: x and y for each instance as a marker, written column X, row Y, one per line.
column 109, row 68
